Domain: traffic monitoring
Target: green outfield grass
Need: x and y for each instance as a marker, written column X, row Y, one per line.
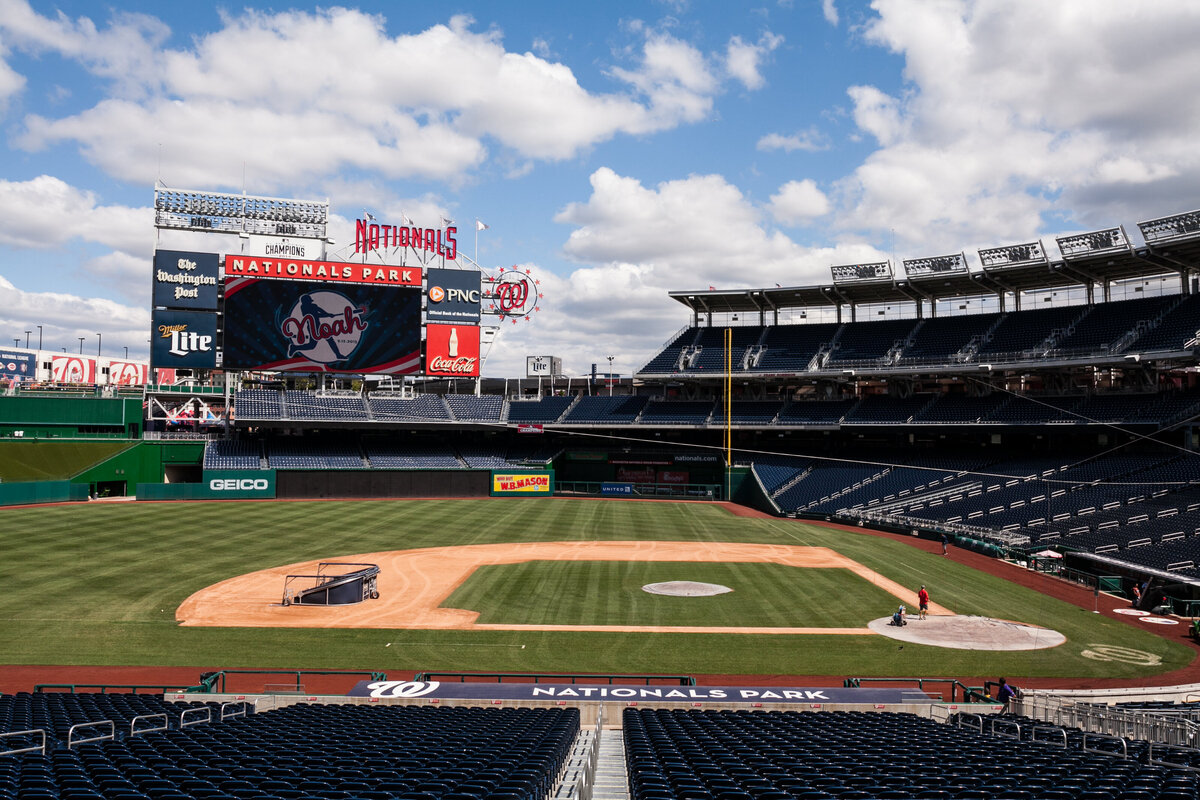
column 99, row 584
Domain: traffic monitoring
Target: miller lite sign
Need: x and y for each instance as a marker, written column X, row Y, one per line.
column 183, row 339
column 452, row 351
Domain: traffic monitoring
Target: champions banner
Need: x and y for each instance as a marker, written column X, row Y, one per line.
column 301, row 326
column 576, row 692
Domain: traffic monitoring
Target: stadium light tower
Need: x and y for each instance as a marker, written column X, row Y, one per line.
column 99, row 341
column 81, row 338
column 39, row 327
column 27, row 339
column 16, row 341
column 610, row 360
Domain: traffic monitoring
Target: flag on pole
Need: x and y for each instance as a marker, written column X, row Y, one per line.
column 368, row 215
column 480, row 226
column 446, row 223
column 408, row 220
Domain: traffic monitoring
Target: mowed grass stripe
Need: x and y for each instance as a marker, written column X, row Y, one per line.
column 611, row 593
column 99, row 584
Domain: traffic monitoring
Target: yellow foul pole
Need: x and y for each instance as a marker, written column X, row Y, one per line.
column 728, row 408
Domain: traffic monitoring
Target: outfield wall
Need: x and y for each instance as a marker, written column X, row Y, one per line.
column 316, row 484
column 34, row 492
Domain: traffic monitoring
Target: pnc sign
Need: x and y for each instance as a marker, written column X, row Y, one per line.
column 454, row 295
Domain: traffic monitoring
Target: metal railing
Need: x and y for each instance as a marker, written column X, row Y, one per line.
column 1149, row 726
column 41, row 748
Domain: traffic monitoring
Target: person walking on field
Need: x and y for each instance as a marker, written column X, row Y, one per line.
column 923, row 602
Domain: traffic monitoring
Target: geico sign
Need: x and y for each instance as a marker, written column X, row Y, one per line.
column 238, row 484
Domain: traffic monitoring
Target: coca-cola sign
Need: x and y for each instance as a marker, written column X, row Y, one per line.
column 452, row 350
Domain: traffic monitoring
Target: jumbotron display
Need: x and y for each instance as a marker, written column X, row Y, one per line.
column 300, row 326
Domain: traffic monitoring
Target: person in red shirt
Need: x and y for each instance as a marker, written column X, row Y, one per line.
column 923, row 602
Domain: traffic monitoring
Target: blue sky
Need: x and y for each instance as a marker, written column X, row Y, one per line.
column 619, row 151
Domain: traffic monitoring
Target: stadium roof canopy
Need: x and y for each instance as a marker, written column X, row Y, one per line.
column 1088, row 260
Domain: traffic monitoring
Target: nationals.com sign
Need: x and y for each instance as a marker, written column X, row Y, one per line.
column 452, row 351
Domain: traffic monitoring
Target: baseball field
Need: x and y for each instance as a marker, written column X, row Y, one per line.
column 546, row 585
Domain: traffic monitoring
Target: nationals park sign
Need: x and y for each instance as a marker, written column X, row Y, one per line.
column 576, row 692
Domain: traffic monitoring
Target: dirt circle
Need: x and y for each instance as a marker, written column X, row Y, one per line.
column 686, row 589
column 961, row 632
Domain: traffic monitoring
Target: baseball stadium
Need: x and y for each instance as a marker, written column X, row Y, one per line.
column 925, row 530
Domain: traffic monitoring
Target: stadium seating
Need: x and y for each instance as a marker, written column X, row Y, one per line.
column 263, row 404
column 332, row 752
column 386, row 454
column 866, row 342
column 313, row 453
column 544, row 411
column 425, row 408
column 469, row 408
column 790, row 348
column 302, row 405
column 940, row 339
column 775, row 755
column 605, row 409
column 667, row 359
column 232, row 454
column 677, row 412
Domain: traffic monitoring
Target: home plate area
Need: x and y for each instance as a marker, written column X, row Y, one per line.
column 969, row 633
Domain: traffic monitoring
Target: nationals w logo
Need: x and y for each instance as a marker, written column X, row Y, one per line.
column 512, row 294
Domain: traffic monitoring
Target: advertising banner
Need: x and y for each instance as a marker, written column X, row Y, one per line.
column 622, row 489
column 453, row 295
column 165, row 375
column 452, row 350
column 672, row 476
column 73, row 369
column 284, row 247
column 127, row 373
column 320, row 271
column 185, row 280
column 636, row 474
column 626, row 694
column 522, row 484
column 301, row 326
column 218, row 484
column 542, row 366
column 17, row 365
column 183, row 339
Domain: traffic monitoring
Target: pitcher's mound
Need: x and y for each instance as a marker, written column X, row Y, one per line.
column 686, row 588
column 969, row 633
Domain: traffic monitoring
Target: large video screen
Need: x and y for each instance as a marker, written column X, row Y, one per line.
column 301, row 326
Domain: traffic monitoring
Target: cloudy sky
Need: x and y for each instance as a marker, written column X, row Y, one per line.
column 618, row 151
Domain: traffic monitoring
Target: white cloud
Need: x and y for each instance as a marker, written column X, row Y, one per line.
column 797, row 202
column 810, row 140
column 640, row 243
column 423, row 105
column 985, row 141
column 126, row 51
column 830, row 12
column 11, row 82
column 45, row 213
column 742, row 59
